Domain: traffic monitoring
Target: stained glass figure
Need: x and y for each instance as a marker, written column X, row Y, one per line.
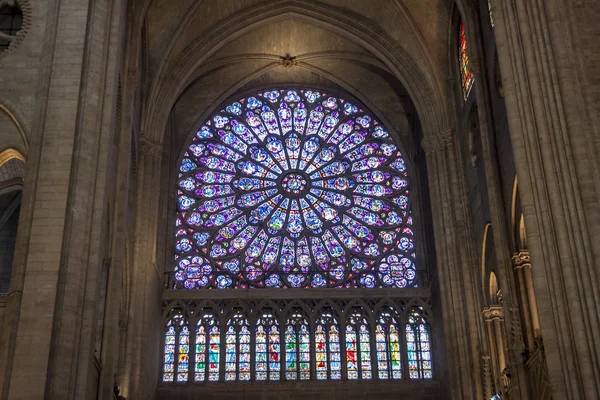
column 297, row 347
column 207, row 354
column 177, row 348
column 237, row 348
column 358, row 347
column 293, row 188
column 267, row 351
column 387, row 342
column 327, row 347
column 466, row 75
column 490, row 10
column 418, row 346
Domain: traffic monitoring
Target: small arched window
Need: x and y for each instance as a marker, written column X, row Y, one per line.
column 387, row 340
column 11, row 22
column 177, row 348
column 237, row 348
column 268, row 349
column 466, row 75
column 418, row 346
column 208, row 347
column 358, row 347
column 297, row 347
column 327, row 347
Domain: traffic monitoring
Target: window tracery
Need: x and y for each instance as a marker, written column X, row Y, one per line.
column 343, row 344
column 293, row 188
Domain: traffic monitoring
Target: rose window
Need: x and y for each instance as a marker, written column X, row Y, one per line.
column 293, row 188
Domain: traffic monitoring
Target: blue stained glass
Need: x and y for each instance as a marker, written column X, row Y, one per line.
column 285, row 188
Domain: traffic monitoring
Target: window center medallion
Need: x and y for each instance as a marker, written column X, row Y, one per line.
column 294, row 183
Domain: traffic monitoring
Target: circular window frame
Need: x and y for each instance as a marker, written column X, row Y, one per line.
column 15, row 41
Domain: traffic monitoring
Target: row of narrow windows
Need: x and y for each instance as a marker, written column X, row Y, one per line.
column 323, row 349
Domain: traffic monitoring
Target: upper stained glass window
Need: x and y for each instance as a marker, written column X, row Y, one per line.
column 237, row 349
column 327, row 347
column 268, row 350
column 466, row 76
column 293, row 188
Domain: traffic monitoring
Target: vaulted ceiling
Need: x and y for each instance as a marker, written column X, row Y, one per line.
column 389, row 54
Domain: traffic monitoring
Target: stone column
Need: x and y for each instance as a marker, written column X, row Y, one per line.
column 547, row 52
column 457, row 267
column 140, row 371
column 53, row 341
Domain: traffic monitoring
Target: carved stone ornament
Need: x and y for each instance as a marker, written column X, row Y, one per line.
column 521, row 259
column 287, row 61
column 493, row 313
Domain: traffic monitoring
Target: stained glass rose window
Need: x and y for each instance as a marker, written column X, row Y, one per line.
column 293, row 188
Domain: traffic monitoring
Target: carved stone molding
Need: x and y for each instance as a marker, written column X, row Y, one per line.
column 437, row 142
column 150, row 148
column 493, row 313
column 521, row 259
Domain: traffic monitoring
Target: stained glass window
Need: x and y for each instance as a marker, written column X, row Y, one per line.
column 237, row 349
column 293, row 188
column 418, row 346
column 177, row 349
column 208, row 347
column 267, row 353
column 327, row 347
column 387, row 341
column 297, row 347
column 466, row 75
column 358, row 347
column 491, row 16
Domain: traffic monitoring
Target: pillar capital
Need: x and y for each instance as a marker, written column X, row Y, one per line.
column 521, row 259
column 492, row 313
column 150, row 147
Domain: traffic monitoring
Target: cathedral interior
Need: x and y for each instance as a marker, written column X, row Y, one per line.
column 300, row 199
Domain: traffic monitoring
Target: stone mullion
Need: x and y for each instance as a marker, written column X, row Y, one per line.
column 565, row 276
column 457, row 297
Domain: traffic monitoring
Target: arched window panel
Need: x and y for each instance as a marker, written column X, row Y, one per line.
column 267, row 353
column 466, row 75
column 208, row 349
column 297, row 347
column 387, row 342
column 237, row 348
column 176, row 349
column 293, row 188
column 358, row 347
column 418, row 346
column 327, row 347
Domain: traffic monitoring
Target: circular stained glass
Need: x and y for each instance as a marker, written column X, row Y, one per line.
column 293, row 188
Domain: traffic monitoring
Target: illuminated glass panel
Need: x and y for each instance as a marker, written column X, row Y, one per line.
column 418, row 347
column 491, row 16
column 267, row 352
column 297, row 348
column 327, row 348
column 169, row 360
column 237, row 349
column 466, row 75
column 387, row 341
column 207, row 353
column 177, row 349
column 293, row 188
column 358, row 347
